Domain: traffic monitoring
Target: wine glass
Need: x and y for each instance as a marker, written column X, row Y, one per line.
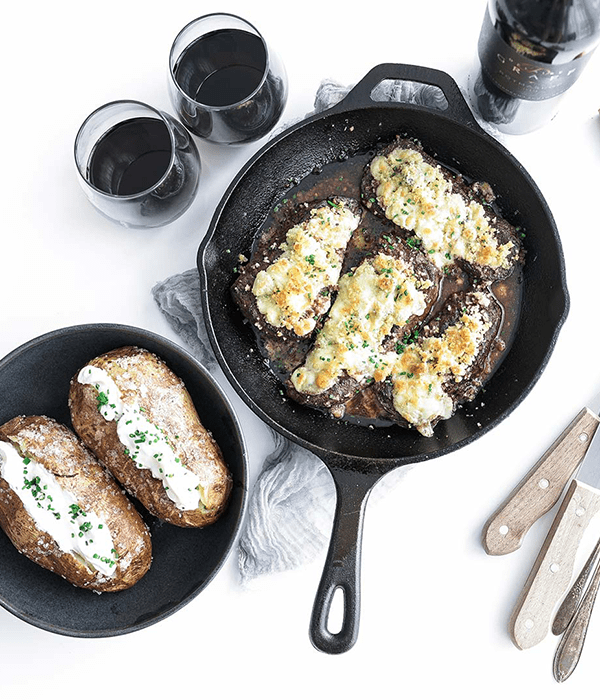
column 226, row 84
column 137, row 165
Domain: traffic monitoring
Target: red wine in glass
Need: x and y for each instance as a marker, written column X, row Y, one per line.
column 226, row 85
column 131, row 157
column 138, row 166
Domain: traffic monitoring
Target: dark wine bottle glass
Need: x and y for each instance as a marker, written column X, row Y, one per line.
column 530, row 53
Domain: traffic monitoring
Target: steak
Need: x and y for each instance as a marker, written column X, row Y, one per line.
column 380, row 302
column 446, row 365
column 449, row 220
column 288, row 283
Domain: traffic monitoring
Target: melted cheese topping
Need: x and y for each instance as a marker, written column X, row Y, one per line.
column 309, row 265
column 421, row 371
column 416, row 196
column 381, row 293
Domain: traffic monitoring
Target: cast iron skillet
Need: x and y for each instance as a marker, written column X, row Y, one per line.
column 356, row 456
column 34, row 380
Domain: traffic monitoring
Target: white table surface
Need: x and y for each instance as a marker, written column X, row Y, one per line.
column 434, row 605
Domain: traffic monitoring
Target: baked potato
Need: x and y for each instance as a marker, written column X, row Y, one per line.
column 62, row 510
column 138, row 418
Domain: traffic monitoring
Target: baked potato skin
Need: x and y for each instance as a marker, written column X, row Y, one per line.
column 57, row 449
column 145, row 379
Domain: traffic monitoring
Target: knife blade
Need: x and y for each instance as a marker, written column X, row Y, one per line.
column 552, row 571
column 542, row 486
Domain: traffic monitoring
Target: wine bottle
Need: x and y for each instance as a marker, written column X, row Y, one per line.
column 530, row 53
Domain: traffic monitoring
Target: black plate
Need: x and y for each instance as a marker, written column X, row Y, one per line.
column 34, row 380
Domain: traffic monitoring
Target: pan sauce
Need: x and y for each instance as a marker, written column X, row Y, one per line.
column 343, row 178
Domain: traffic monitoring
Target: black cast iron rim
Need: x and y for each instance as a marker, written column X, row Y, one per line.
column 459, row 115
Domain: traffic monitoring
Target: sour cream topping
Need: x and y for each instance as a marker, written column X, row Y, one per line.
column 55, row 511
column 144, row 442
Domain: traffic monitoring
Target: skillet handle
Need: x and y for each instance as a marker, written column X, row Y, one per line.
column 342, row 565
column 457, row 107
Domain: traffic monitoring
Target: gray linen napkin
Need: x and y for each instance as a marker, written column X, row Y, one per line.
column 292, row 503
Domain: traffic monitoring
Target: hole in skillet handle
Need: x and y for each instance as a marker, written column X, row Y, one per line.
column 336, row 612
column 451, row 102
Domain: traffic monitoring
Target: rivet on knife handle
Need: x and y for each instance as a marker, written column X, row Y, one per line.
column 571, row 645
column 541, row 488
column 553, row 569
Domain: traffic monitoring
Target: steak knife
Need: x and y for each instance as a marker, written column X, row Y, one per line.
column 553, row 569
column 540, row 489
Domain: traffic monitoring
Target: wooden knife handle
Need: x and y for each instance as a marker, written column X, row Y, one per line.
column 552, row 571
column 541, row 488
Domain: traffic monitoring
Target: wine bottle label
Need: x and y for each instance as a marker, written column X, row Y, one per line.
column 520, row 76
